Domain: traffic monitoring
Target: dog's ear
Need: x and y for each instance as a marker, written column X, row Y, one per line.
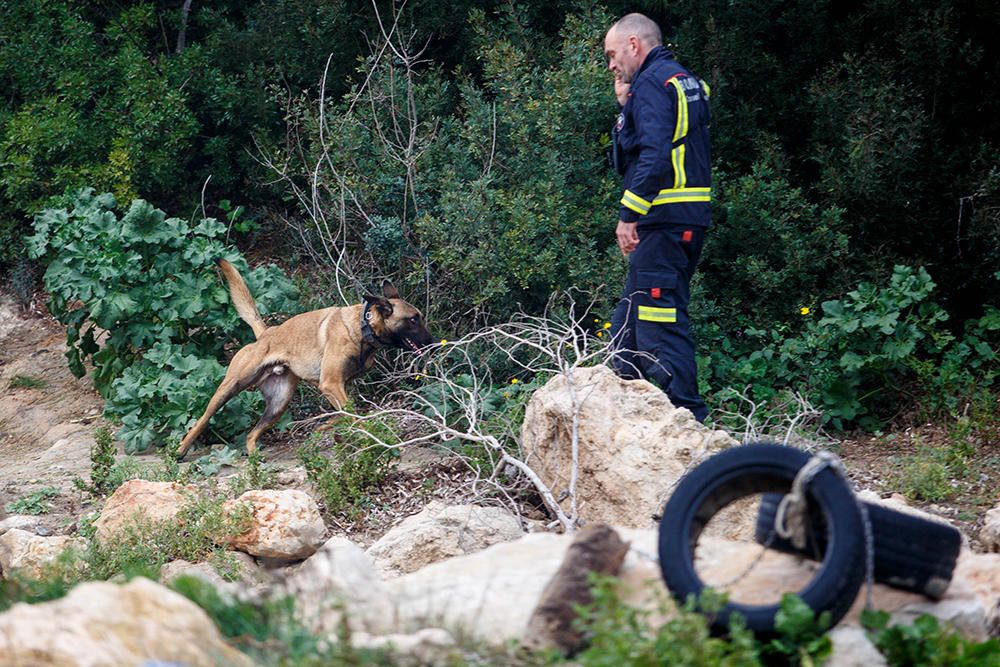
column 389, row 291
column 381, row 304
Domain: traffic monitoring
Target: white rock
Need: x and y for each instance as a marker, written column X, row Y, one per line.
column 100, row 624
column 490, row 594
column 429, row 646
column 246, row 581
column 137, row 502
column 25, row 551
column 440, row 531
column 285, row 525
column 339, row 580
column 632, row 444
column 852, row 648
column 989, row 536
column 18, row 521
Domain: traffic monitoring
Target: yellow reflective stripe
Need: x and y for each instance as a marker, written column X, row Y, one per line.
column 680, row 176
column 683, row 195
column 635, row 202
column 682, row 111
column 651, row 314
column 706, row 88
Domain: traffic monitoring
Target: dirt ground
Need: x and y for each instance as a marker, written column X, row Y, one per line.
column 48, row 418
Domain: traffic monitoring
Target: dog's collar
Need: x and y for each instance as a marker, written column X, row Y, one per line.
column 367, row 334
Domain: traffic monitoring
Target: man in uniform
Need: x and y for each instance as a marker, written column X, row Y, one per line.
column 662, row 151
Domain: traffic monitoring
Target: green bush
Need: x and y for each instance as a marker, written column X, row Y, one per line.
column 143, row 305
column 770, row 253
column 927, row 643
column 854, row 360
column 346, row 466
column 162, row 395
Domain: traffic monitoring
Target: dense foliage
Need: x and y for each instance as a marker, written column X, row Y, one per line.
column 460, row 150
column 143, row 306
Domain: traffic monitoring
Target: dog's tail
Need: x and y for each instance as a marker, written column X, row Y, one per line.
column 242, row 299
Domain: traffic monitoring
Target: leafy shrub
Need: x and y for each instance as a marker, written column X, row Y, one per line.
column 143, row 548
column 347, row 465
column 102, row 462
column 925, row 475
column 769, row 253
column 163, row 393
column 620, row 634
column 966, row 369
column 854, row 359
column 26, row 382
column 36, row 502
column 144, row 285
column 927, row 643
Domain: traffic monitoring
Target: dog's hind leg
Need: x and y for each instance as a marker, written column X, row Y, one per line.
column 278, row 390
column 230, row 386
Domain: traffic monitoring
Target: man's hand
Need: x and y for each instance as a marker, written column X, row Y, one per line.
column 621, row 91
column 628, row 238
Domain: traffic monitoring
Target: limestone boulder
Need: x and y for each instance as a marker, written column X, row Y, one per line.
column 236, row 575
column 429, row 646
column 30, row 553
column 138, row 502
column 285, row 524
column 101, row 623
column 989, row 535
column 339, row 583
column 852, row 648
column 490, row 594
column 632, row 444
column 442, row 531
column 29, row 523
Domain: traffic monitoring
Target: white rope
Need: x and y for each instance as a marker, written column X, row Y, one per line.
column 791, row 518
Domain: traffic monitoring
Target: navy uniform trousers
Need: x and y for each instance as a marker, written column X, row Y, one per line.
column 652, row 315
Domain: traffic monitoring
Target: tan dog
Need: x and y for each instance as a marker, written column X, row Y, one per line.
column 327, row 347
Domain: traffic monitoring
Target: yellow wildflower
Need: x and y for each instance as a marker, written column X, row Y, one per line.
column 607, row 325
column 513, row 380
column 804, row 310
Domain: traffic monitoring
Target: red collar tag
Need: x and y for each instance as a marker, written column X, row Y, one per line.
column 655, row 292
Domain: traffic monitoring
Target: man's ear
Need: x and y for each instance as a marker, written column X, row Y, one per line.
column 381, row 304
column 389, row 291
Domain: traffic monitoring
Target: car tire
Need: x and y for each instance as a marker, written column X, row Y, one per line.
column 753, row 469
column 910, row 552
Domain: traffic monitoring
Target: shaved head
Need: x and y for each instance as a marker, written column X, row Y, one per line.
column 643, row 27
column 628, row 42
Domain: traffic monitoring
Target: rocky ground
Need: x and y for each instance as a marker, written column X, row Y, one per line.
column 419, row 557
column 47, row 420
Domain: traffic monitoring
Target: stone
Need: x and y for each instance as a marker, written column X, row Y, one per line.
column 29, row 523
column 138, row 502
column 852, row 648
column 442, row 531
column 632, row 444
column 597, row 548
column 490, row 594
column 338, row 583
column 989, row 535
column 30, row 553
column 429, row 646
column 285, row 525
column 245, row 581
column 101, row 623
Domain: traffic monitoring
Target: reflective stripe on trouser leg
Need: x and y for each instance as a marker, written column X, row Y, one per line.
column 659, row 326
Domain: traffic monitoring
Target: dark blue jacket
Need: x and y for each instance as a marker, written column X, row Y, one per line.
column 663, row 145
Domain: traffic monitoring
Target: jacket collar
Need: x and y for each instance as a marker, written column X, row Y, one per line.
column 657, row 53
